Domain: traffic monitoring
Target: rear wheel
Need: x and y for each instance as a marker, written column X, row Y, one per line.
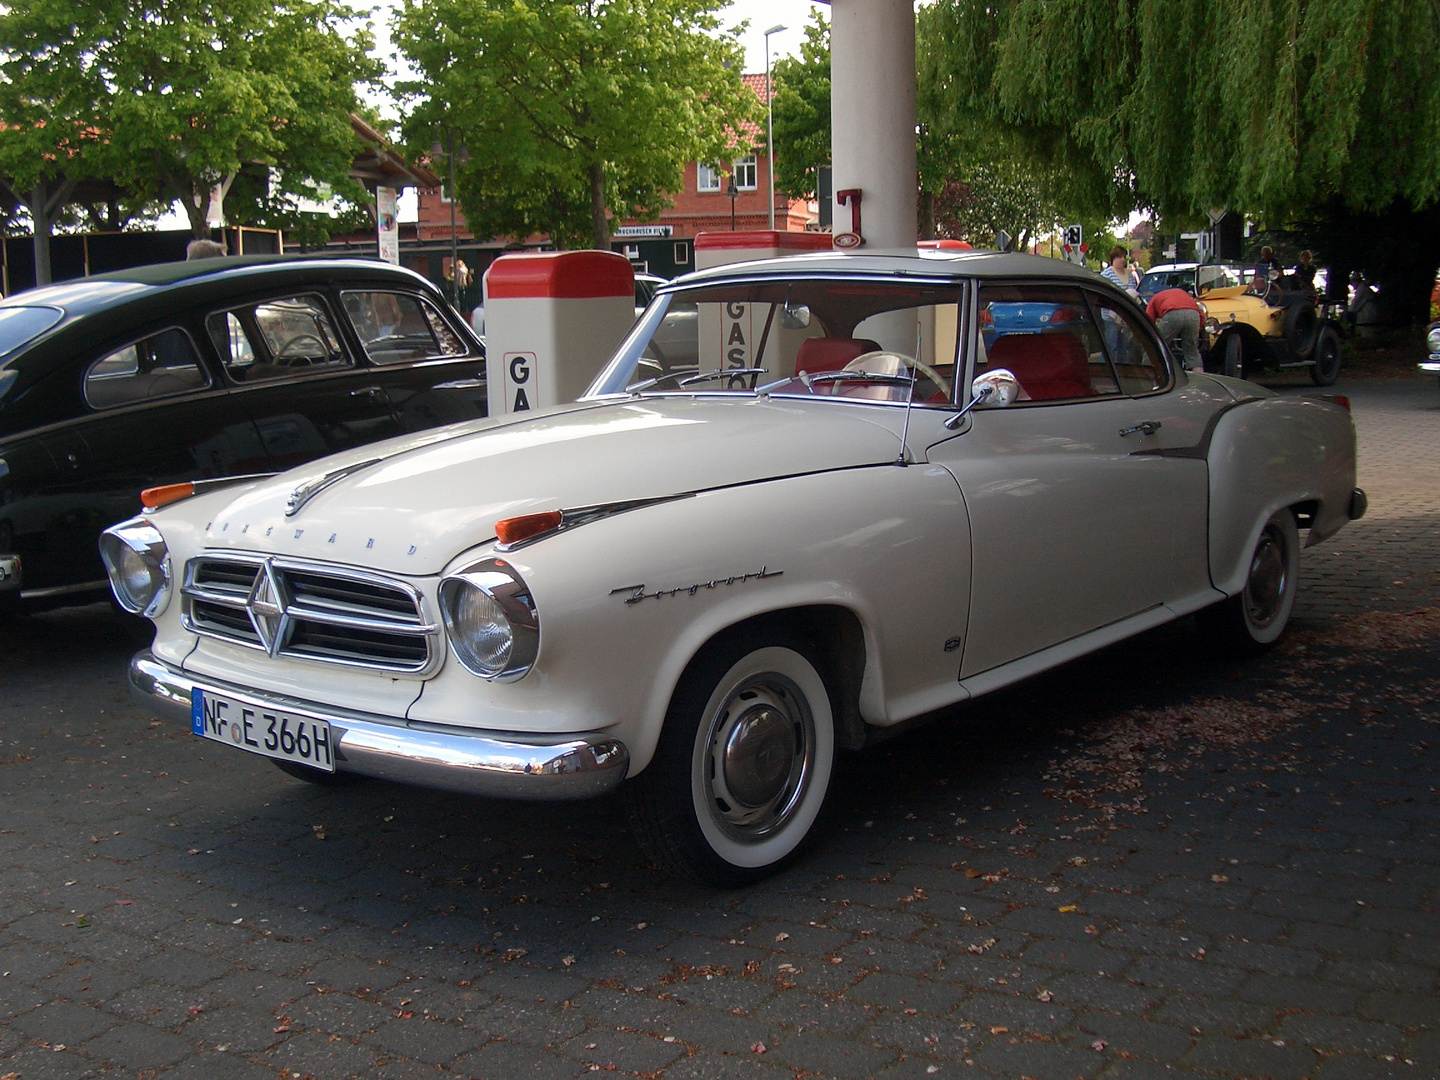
column 1253, row 621
column 1235, row 356
column 1326, row 368
column 744, row 762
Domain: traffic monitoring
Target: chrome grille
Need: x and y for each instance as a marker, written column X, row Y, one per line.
column 310, row 611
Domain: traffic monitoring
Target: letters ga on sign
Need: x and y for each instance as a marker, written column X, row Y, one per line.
column 521, row 387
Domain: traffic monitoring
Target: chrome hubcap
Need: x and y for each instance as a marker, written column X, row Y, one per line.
column 760, row 751
column 1265, row 588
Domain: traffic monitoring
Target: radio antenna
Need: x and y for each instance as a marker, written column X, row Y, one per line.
column 902, row 460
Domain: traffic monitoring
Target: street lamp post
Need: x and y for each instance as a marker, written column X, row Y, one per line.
column 769, row 124
column 734, row 193
column 448, row 149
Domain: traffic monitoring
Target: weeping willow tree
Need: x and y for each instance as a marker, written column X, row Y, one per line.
column 1310, row 112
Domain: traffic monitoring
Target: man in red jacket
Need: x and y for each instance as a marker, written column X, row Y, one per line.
column 1176, row 314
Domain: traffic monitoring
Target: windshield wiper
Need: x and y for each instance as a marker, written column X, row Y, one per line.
column 694, row 377
column 855, row 376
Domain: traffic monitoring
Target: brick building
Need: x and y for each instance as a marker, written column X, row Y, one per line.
column 702, row 204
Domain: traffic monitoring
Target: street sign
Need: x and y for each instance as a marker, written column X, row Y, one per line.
column 1074, row 236
column 1216, row 213
column 1002, row 241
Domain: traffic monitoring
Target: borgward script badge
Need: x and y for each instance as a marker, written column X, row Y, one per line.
column 266, row 606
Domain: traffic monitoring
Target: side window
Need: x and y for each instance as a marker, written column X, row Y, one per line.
column 1138, row 364
column 159, row 366
column 1045, row 337
column 291, row 336
column 394, row 328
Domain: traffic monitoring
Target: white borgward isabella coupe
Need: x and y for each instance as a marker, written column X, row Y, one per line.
column 807, row 500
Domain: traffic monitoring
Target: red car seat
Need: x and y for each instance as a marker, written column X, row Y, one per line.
column 830, row 354
column 1048, row 366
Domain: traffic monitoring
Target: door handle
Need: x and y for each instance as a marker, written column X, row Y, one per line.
column 367, row 392
column 1145, row 427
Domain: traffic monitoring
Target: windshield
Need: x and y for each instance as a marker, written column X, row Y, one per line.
column 19, row 325
column 1156, row 280
column 881, row 341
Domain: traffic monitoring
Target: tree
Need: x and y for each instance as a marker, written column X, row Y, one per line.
column 51, row 98
column 572, row 109
column 1280, row 109
column 801, row 105
column 973, row 181
column 210, row 89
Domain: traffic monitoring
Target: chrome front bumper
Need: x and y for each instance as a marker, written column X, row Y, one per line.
column 491, row 763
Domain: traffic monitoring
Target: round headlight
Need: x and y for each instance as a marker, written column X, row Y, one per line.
column 1212, row 325
column 1433, row 339
column 138, row 563
column 491, row 621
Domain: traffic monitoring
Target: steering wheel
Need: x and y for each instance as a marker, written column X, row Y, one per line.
column 858, row 364
column 284, row 357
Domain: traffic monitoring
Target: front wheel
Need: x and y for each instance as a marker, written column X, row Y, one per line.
column 1326, row 367
column 743, row 765
column 1235, row 356
column 1253, row 621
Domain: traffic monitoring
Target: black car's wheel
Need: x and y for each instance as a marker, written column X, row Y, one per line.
column 318, row 777
column 1253, row 621
column 1235, row 356
column 743, row 765
column 1326, row 367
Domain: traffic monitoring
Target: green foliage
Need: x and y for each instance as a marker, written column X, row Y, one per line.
column 801, row 106
column 571, row 108
column 1267, row 106
column 166, row 98
column 212, row 89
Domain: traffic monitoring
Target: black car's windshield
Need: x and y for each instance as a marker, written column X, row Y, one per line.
column 1156, row 280
column 897, row 339
column 19, row 325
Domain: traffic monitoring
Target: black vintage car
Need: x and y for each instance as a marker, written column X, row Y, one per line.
column 193, row 370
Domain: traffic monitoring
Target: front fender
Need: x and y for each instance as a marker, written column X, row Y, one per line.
column 625, row 603
column 1271, row 453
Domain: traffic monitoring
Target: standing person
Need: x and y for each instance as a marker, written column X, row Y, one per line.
column 204, row 249
column 1115, row 270
column 1305, row 272
column 1176, row 314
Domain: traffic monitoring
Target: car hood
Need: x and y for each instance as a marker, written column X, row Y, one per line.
column 411, row 505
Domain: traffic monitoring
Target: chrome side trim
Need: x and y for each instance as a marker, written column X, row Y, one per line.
column 491, row 763
column 65, row 590
column 583, row 515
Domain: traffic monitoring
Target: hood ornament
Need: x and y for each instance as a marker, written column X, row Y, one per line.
column 308, row 489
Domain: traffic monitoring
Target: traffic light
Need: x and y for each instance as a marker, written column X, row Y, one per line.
column 1074, row 235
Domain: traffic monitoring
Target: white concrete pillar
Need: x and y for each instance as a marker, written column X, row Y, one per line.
column 872, row 118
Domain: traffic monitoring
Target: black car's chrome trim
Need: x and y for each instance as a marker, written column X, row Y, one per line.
column 65, row 590
column 512, row 765
column 274, row 605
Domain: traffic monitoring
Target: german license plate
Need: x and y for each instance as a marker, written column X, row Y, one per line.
column 272, row 733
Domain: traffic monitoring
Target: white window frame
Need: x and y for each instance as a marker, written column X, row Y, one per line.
column 748, row 164
column 702, row 171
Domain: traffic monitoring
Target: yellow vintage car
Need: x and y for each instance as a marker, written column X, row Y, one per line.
column 1245, row 330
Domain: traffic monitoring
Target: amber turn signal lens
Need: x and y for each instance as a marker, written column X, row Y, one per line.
column 156, row 497
column 513, row 530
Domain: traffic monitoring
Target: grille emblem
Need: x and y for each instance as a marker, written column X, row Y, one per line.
column 267, row 607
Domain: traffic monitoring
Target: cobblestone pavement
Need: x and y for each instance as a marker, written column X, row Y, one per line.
column 1151, row 863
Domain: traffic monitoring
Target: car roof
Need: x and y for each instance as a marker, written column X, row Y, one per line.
column 85, row 295
column 920, row 263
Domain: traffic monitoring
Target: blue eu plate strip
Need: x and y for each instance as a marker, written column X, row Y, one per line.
column 197, row 711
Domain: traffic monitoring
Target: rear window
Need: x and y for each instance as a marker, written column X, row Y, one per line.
column 19, row 325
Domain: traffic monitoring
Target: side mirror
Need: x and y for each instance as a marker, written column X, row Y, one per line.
column 994, row 390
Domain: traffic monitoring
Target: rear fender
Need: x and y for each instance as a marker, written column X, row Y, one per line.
column 1270, row 454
